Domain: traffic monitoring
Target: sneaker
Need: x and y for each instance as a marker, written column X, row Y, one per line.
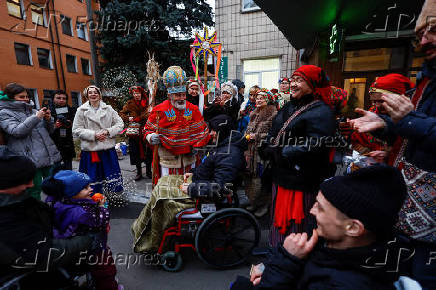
column 261, row 212
column 251, row 208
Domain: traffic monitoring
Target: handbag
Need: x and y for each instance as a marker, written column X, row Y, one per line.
column 133, row 130
column 417, row 217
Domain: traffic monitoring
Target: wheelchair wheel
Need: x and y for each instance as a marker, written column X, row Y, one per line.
column 173, row 261
column 226, row 238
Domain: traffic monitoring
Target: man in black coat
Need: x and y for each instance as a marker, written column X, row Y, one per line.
column 62, row 136
column 222, row 163
column 26, row 224
column 355, row 214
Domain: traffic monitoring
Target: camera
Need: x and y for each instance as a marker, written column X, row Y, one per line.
column 64, row 121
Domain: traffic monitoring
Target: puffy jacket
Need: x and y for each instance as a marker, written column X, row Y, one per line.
column 28, row 135
column 88, row 122
column 220, row 166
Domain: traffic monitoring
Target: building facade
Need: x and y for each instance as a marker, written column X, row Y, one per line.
column 254, row 50
column 45, row 46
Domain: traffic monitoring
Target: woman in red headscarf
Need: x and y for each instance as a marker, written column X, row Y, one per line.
column 298, row 146
column 135, row 114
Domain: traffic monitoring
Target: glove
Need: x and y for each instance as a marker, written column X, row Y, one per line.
column 154, row 139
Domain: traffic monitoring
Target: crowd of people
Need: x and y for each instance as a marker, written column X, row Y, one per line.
column 284, row 146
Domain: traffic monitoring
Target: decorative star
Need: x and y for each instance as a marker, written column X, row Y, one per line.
column 205, row 44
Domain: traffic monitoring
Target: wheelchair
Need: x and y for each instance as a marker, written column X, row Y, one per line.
column 222, row 235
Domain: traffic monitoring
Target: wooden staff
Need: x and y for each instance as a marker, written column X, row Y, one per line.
column 155, row 169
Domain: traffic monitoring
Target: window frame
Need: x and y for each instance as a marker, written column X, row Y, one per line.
column 243, row 10
column 89, row 72
column 35, row 97
column 29, row 53
column 70, row 23
column 78, row 95
column 43, row 14
column 85, row 30
column 50, row 61
column 259, row 72
column 75, row 63
column 21, row 5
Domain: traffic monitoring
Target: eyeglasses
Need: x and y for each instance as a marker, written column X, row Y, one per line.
column 426, row 32
column 297, row 80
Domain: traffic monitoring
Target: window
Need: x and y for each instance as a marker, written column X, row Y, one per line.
column 38, row 16
column 23, row 54
column 262, row 72
column 71, row 63
column 82, row 33
column 249, row 5
column 15, row 8
column 33, row 96
column 86, row 68
column 44, row 58
column 66, row 25
column 76, row 99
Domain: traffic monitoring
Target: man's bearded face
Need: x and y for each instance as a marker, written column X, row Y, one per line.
column 178, row 100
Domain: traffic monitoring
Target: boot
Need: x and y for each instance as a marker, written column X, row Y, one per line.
column 138, row 172
column 260, row 212
column 148, row 169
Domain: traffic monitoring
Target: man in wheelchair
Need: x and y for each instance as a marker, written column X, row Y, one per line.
column 222, row 162
column 28, row 250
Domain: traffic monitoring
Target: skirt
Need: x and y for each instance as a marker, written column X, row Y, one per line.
column 104, row 171
column 308, row 223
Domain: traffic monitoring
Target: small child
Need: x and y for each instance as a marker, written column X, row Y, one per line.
column 76, row 213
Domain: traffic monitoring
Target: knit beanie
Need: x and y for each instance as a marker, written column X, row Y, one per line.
column 391, row 83
column 238, row 83
column 221, row 124
column 374, row 195
column 73, row 181
column 427, row 15
column 15, row 170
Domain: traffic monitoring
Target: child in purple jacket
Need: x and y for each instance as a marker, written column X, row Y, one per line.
column 75, row 214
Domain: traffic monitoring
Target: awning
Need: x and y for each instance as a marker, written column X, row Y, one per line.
column 302, row 21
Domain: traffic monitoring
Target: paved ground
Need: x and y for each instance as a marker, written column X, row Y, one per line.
column 195, row 274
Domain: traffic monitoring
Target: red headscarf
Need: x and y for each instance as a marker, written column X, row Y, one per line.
column 392, row 83
column 338, row 99
column 317, row 81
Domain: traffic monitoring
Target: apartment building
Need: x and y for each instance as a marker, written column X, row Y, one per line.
column 45, row 46
column 254, row 50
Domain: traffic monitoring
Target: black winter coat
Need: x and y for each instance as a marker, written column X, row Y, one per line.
column 326, row 268
column 25, row 224
column 304, row 163
column 64, row 143
column 230, row 108
column 220, row 166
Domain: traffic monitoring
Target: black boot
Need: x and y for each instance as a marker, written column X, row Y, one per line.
column 148, row 169
column 138, row 172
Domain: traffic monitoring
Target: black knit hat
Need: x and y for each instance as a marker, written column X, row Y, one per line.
column 15, row 170
column 373, row 195
column 221, row 124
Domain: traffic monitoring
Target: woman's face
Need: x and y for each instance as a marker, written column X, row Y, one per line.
column 193, row 90
column 136, row 96
column 226, row 96
column 299, row 87
column 93, row 95
column 252, row 96
column 22, row 97
column 260, row 101
column 284, row 86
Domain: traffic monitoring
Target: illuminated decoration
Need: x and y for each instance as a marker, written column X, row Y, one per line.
column 204, row 46
column 118, row 82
